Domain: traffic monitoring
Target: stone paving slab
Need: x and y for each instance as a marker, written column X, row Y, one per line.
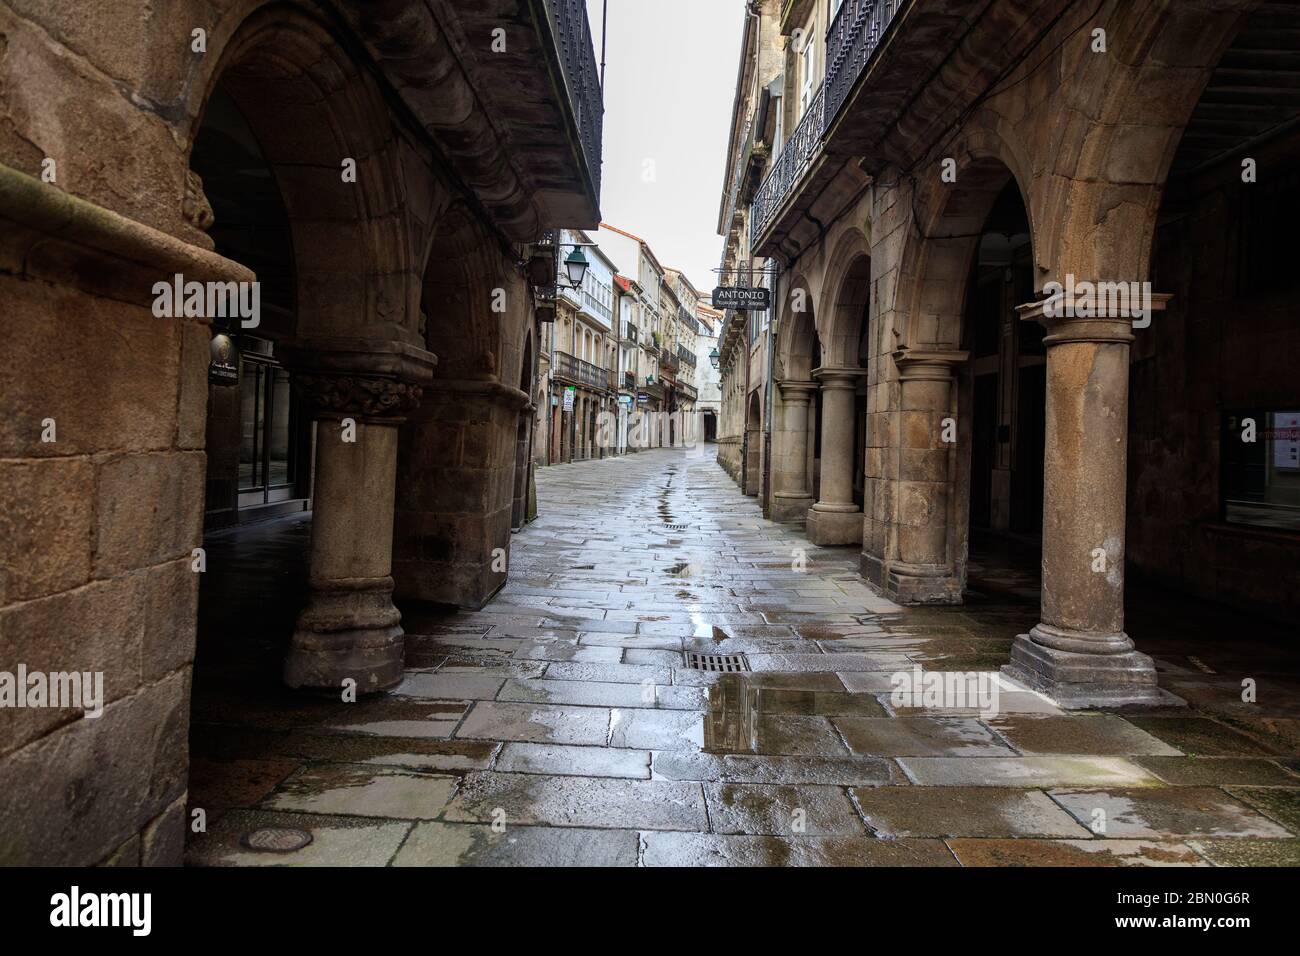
column 706, row 849
column 462, row 844
column 1075, row 853
column 780, row 810
column 335, row 840
column 537, row 722
column 350, row 790
column 1025, row 772
column 574, row 761
column 964, row 812
column 751, row 768
column 1219, row 771
column 579, row 802
column 1090, row 734
column 920, row 737
column 1165, row 812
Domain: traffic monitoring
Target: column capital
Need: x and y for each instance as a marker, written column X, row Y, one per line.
column 1098, row 314
column 934, row 365
column 842, row 377
column 377, row 380
column 797, row 391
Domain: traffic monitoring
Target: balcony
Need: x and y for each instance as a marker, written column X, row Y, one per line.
column 686, row 391
column 629, row 381
column 798, row 152
column 823, row 142
column 575, row 370
column 668, row 362
column 525, row 119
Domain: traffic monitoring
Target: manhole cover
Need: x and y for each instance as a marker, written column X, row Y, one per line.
column 724, row 663
column 276, row 839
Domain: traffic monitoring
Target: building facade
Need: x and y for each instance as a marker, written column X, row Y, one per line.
column 243, row 274
column 1005, row 244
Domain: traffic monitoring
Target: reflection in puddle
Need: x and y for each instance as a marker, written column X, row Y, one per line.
column 731, row 724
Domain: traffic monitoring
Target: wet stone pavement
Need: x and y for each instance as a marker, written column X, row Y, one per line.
column 560, row 724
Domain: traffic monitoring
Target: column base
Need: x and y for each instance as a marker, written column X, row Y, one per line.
column 349, row 629
column 829, row 528
column 1083, row 681
column 786, row 507
column 922, row 584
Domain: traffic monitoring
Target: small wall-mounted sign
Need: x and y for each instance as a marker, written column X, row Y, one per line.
column 741, row 299
column 569, row 395
column 223, row 366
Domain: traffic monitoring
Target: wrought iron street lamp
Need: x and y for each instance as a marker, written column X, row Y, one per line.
column 714, row 358
column 575, row 266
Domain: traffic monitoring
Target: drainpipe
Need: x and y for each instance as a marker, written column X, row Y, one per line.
column 773, row 274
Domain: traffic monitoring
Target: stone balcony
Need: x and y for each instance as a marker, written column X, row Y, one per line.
column 527, row 119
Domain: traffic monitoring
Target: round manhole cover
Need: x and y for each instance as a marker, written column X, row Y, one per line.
column 276, row 839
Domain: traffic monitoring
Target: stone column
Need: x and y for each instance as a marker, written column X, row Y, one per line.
column 793, row 496
column 1079, row 653
column 350, row 628
column 835, row 519
column 925, row 569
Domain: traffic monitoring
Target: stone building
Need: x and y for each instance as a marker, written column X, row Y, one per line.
column 955, row 200
column 388, row 175
column 582, row 353
column 708, row 380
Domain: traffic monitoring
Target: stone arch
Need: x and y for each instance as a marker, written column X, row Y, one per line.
column 845, row 299
column 798, row 345
column 1108, row 171
column 949, row 220
column 351, row 246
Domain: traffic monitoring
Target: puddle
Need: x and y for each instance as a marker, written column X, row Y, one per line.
column 731, row 723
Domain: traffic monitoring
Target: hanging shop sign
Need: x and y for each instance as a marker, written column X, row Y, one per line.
column 223, row 366
column 741, row 299
column 642, row 398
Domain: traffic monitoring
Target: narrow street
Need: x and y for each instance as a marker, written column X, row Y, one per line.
column 561, row 724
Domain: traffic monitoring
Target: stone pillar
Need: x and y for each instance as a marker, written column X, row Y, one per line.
column 925, row 570
column 793, row 496
column 350, row 628
column 1079, row 653
column 835, row 519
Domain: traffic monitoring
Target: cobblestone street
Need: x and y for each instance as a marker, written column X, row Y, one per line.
column 561, row 724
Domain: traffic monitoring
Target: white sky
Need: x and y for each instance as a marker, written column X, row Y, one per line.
column 670, row 75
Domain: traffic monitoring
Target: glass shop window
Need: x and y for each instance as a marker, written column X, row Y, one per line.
column 268, row 418
column 1261, row 468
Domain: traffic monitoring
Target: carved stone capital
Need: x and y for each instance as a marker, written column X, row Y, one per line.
column 358, row 395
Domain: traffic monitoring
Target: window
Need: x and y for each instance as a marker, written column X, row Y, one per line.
column 268, row 419
column 807, row 67
column 1261, row 468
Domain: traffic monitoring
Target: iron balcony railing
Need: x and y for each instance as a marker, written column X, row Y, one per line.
column 686, row 355
column 852, row 39
column 687, row 391
column 581, row 373
column 797, row 153
column 629, row 381
column 668, row 361
column 578, row 61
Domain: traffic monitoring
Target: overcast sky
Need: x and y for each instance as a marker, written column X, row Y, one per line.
column 670, row 73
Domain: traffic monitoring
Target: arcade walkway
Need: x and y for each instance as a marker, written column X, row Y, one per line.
column 561, row 725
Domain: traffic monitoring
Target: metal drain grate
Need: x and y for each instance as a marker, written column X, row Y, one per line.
column 723, row 663
column 678, row 527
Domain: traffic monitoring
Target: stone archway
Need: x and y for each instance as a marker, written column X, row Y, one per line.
column 338, row 319
column 456, row 467
column 837, row 516
column 798, row 352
